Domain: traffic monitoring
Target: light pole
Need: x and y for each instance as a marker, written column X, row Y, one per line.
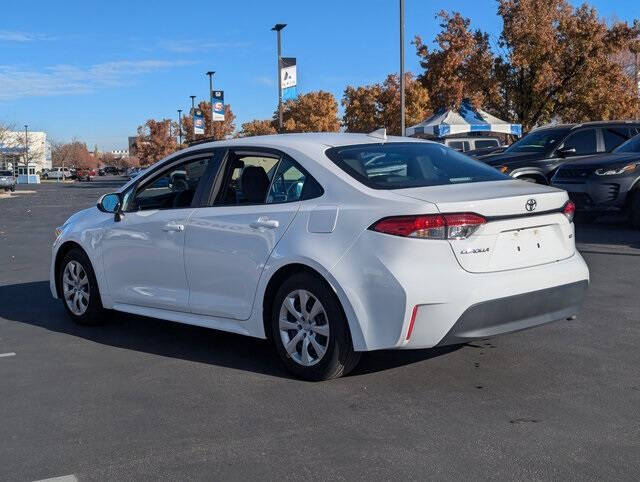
column 210, row 74
column 26, row 150
column 180, row 125
column 402, row 68
column 278, row 28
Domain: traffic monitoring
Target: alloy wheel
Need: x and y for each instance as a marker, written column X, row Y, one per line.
column 304, row 327
column 75, row 288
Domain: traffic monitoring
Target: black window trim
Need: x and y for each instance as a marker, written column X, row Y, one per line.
column 162, row 167
column 224, row 171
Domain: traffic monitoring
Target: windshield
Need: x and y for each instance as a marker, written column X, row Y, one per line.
column 397, row 165
column 542, row 140
column 632, row 145
column 6, row 173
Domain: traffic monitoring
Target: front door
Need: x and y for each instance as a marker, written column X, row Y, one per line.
column 228, row 244
column 143, row 253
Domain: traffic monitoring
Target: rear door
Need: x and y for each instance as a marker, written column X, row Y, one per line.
column 227, row 245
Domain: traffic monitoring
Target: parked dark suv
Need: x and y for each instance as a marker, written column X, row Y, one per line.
column 604, row 183
column 537, row 156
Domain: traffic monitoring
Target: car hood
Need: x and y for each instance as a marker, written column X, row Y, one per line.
column 513, row 158
column 604, row 160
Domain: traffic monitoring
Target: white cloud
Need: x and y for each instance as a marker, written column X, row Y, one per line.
column 195, row 45
column 265, row 80
column 12, row 36
column 17, row 82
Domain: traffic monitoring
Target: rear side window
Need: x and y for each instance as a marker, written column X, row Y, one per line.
column 397, row 165
column 459, row 145
column 486, row 143
column 614, row 136
column 6, row 173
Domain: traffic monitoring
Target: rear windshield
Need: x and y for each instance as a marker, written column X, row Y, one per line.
column 397, row 165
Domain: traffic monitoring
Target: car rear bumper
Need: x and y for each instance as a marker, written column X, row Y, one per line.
column 386, row 278
column 596, row 195
column 518, row 312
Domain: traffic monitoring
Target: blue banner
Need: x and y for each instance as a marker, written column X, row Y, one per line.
column 217, row 106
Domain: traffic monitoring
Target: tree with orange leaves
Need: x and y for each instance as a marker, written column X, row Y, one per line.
column 215, row 130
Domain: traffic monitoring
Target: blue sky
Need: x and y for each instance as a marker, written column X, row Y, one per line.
column 95, row 70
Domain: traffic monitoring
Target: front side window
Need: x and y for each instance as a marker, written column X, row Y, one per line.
column 397, row 165
column 542, row 140
column 584, row 142
column 173, row 188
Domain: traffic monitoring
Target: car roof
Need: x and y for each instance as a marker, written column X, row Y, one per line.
column 588, row 124
column 300, row 140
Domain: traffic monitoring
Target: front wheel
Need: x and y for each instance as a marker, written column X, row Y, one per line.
column 310, row 330
column 79, row 289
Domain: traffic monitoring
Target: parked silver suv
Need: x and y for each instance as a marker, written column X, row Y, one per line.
column 7, row 181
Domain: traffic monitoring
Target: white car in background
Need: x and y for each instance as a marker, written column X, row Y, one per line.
column 328, row 244
column 58, row 173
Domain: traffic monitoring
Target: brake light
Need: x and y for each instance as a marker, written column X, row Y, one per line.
column 569, row 210
column 431, row 226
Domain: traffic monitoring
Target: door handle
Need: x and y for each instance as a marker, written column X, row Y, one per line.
column 265, row 222
column 171, row 227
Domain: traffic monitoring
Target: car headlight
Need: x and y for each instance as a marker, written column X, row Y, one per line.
column 613, row 171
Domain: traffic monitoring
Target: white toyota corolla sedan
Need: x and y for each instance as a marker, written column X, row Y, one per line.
column 327, row 244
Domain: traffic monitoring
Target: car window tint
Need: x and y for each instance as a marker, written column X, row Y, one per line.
column 397, row 165
column 459, row 145
column 486, row 143
column 614, row 136
column 287, row 184
column 173, row 188
column 584, row 142
column 632, row 145
column 249, row 180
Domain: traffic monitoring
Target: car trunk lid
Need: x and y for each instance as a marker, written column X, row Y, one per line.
column 525, row 224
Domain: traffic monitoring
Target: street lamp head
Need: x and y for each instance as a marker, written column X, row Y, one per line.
column 192, row 96
column 211, row 72
column 278, row 26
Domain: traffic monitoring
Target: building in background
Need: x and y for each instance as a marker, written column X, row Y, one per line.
column 120, row 152
column 16, row 153
column 132, row 145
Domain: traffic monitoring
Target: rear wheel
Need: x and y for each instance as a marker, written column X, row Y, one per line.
column 310, row 331
column 79, row 289
column 634, row 208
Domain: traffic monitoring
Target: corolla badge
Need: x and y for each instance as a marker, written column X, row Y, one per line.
column 531, row 204
column 474, row 251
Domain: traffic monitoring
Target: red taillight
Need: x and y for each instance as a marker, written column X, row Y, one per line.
column 431, row 226
column 569, row 210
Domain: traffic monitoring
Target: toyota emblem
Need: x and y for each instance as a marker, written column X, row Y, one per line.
column 531, row 205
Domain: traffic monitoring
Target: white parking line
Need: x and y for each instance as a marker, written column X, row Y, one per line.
column 3, row 355
column 64, row 478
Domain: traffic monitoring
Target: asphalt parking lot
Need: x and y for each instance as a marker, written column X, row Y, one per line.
column 147, row 399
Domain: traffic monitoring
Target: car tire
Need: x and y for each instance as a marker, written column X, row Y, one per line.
column 634, row 208
column 302, row 334
column 86, row 309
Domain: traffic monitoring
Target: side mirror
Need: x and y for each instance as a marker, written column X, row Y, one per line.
column 111, row 203
column 567, row 151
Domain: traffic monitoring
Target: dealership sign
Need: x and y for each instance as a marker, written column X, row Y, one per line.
column 198, row 122
column 217, row 106
column 289, row 78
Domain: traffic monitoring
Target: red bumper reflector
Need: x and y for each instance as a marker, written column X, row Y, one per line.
column 413, row 319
